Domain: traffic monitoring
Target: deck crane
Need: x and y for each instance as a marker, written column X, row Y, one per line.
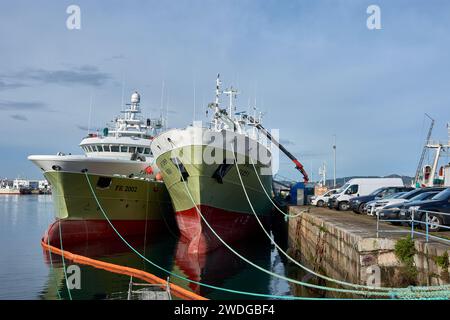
column 297, row 163
column 231, row 123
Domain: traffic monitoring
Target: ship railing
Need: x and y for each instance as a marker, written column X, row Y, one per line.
column 414, row 224
column 163, row 290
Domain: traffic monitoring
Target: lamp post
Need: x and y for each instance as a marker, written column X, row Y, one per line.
column 334, row 154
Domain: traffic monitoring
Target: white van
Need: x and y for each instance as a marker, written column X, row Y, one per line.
column 321, row 201
column 360, row 187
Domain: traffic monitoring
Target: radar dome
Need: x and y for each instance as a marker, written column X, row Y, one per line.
column 135, row 97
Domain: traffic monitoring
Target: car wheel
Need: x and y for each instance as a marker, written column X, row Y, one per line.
column 361, row 208
column 434, row 222
column 343, row 206
column 320, row 203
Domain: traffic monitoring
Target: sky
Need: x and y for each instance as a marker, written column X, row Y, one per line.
column 312, row 67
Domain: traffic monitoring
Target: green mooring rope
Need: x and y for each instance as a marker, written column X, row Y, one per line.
column 407, row 289
column 261, row 295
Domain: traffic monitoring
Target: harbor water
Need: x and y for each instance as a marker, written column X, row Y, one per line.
column 28, row 272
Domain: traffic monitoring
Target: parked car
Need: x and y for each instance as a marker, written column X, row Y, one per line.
column 359, row 187
column 437, row 205
column 394, row 211
column 320, row 201
column 397, row 202
column 372, row 206
column 357, row 204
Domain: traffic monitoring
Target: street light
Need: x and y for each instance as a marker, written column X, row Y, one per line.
column 334, row 153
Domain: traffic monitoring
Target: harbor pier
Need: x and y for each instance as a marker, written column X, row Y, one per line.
column 345, row 246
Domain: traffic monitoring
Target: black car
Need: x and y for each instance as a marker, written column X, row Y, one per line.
column 396, row 211
column 435, row 207
column 357, row 203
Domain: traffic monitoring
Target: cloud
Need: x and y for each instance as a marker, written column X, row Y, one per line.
column 84, row 75
column 82, row 128
column 85, row 128
column 10, row 85
column 287, row 142
column 118, row 57
column 164, row 111
column 19, row 117
column 22, row 105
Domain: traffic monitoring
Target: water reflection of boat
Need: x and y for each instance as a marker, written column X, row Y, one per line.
column 101, row 284
column 223, row 268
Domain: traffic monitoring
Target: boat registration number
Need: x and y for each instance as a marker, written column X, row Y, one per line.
column 126, row 188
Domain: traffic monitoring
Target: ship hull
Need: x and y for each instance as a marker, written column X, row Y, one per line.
column 133, row 206
column 197, row 190
column 230, row 226
column 9, row 191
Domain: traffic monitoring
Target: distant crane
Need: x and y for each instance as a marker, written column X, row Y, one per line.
column 424, row 151
column 323, row 174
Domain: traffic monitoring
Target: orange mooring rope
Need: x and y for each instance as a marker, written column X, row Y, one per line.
column 140, row 274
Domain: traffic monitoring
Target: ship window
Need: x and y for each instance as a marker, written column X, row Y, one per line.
column 89, row 148
column 123, row 149
column 147, row 151
column 106, row 148
column 99, row 148
column 132, row 149
column 140, row 150
column 114, row 148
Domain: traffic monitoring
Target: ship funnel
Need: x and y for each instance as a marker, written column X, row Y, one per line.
column 135, row 97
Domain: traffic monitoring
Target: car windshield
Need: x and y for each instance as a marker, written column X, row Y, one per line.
column 410, row 194
column 377, row 191
column 443, row 195
column 341, row 189
column 421, row 196
column 395, row 195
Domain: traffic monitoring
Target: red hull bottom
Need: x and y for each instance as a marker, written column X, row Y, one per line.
column 83, row 231
column 230, row 226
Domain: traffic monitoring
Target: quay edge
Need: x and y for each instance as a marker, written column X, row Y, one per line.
column 344, row 246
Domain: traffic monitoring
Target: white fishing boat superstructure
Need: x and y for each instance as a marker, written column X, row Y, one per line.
column 122, row 148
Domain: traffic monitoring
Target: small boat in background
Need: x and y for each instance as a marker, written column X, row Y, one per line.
column 8, row 190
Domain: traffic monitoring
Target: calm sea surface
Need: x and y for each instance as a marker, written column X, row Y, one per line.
column 27, row 272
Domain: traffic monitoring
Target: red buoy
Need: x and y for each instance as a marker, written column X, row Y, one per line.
column 149, row 170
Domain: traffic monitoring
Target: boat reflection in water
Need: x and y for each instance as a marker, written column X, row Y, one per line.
column 101, row 284
column 224, row 268
column 221, row 268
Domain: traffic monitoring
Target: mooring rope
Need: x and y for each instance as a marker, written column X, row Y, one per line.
column 294, row 260
column 358, row 292
column 52, row 270
column 63, row 260
column 225, row 289
column 119, row 269
column 429, row 288
column 261, row 295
